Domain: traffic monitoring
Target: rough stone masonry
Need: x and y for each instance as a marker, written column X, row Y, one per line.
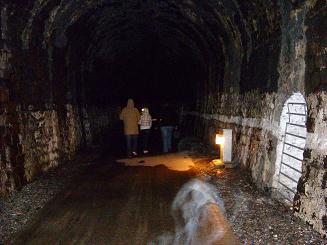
column 244, row 59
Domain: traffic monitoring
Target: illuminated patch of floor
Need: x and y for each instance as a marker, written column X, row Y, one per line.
column 174, row 161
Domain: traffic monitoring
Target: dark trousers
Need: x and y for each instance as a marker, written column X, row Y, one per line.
column 167, row 138
column 131, row 141
column 145, row 133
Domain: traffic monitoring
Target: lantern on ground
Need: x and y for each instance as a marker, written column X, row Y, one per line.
column 220, row 140
column 224, row 141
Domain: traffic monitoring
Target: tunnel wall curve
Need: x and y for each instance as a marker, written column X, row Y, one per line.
column 44, row 121
column 255, row 116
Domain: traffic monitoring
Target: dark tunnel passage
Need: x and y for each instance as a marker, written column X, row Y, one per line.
column 100, row 54
column 155, row 53
column 68, row 67
column 134, row 56
column 103, row 53
column 143, row 55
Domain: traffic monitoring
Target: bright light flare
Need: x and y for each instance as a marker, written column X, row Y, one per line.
column 219, row 171
column 220, row 140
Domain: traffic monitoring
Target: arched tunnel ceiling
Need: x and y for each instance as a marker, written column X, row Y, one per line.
column 119, row 24
column 112, row 18
column 213, row 37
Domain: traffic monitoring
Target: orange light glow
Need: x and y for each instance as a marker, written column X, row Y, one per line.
column 219, row 171
column 220, row 140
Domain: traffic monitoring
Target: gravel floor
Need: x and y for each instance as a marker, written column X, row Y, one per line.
column 255, row 218
column 22, row 206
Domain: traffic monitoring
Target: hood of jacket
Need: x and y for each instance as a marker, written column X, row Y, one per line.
column 145, row 111
column 130, row 103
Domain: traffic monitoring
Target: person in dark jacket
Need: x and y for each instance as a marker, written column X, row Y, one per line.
column 168, row 122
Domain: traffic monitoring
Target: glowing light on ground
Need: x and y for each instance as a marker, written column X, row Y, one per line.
column 175, row 161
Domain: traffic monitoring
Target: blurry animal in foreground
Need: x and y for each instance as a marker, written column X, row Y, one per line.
column 199, row 218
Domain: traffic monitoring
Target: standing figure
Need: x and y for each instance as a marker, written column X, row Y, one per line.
column 145, row 126
column 130, row 116
column 168, row 121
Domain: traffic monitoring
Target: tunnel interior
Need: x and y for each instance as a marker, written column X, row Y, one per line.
column 153, row 51
column 157, row 53
column 144, row 51
column 67, row 69
column 75, row 64
column 134, row 56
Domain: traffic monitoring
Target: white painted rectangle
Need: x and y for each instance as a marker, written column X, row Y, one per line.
column 297, row 130
column 300, row 142
column 296, row 108
column 288, row 182
column 228, row 135
column 292, row 162
column 293, row 152
column 297, row 119
column 286, row 193
column 291, row 172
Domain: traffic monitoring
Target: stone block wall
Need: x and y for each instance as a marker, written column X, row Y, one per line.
column 44, row 114
column 311, row 200
column 255, row 117
column 101, row 120
column 40, row 141
column 316, row 52
column 11, row 157
column 34, row 140
column 255, row 120
column 255, row 130
column 72, row 130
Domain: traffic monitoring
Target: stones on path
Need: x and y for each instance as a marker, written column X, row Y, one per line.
column 254, row 216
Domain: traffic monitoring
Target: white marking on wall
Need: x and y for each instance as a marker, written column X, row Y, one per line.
column 262, row 123
column 290, row 148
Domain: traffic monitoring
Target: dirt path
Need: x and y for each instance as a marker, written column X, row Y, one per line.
column 109, row 204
